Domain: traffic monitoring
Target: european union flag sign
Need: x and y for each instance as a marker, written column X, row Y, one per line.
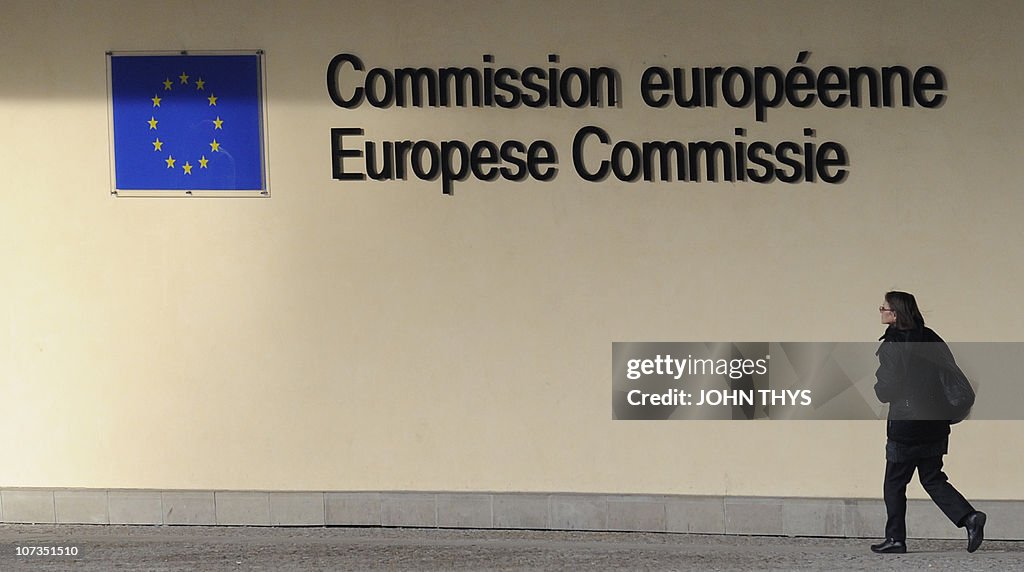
column 187, row 122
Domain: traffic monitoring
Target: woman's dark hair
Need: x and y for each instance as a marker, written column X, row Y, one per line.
column 908, row 316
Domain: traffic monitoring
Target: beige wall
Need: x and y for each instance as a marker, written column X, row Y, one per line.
column 382, row 336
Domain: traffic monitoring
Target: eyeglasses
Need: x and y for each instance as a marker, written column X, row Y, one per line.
column 884, row 309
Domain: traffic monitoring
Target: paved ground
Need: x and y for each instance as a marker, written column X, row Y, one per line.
column 102, row 548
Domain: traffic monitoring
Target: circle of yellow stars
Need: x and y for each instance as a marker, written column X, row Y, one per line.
column 218, row 123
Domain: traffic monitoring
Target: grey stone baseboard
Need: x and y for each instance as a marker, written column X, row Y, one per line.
column 783, row 516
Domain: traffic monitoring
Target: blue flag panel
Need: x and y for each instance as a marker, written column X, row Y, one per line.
column 187, row 122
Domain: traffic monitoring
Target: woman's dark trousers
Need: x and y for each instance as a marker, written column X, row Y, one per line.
column 934, row 481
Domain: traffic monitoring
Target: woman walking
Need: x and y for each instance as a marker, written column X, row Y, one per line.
column 917, row 439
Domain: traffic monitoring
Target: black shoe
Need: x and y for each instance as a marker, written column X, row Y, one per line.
column 890, row 546
column 975, row 525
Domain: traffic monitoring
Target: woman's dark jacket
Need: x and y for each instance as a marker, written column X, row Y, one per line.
column 908, row 380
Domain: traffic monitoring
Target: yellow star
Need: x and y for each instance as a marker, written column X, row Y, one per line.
column 217, row 123
column 213, row 99
column 152, row 122
column 187, row 168
column 156, row 101
column 215, row 146
column 200, row 83
column 184, row 78
column 167, row 84
column 203, row 161
column 158, row 145
column 170, row 162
